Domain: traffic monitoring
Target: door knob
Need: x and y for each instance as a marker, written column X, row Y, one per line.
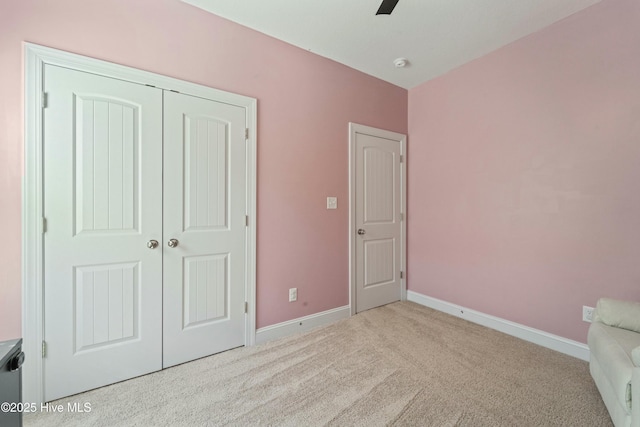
column 152, row 244
column 172, row 243
column 361, row 231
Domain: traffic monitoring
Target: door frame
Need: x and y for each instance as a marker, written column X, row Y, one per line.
column 35, row 59
column 355, row 129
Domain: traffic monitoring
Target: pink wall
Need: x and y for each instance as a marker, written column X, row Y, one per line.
column 524, row 174
column 523, row 165
column 304, row 105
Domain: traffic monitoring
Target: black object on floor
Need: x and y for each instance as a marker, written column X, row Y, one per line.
column 11, row 359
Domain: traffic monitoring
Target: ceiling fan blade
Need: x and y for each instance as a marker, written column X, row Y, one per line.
column 387, row 7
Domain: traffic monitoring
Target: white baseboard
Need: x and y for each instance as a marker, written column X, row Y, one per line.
column 301, row 324
column 536, row 336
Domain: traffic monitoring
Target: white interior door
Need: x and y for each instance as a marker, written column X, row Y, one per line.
column 378, row 221
column 103, row 204
column 204, row 218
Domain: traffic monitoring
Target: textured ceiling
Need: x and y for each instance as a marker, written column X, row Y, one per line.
column 434, row 35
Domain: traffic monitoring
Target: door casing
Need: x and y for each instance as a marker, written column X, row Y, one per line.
column 354, row 129
column 33, row 222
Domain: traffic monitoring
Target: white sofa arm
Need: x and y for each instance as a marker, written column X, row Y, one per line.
column 621, row 314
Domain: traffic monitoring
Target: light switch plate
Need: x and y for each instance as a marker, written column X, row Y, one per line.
column 332, row 203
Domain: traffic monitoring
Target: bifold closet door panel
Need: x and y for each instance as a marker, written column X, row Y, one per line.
column 103, row 205
column 204, row 227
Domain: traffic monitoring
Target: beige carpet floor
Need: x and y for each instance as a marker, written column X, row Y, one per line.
column 401, row 364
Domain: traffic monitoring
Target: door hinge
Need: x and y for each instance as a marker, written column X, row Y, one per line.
column 246, row 220
column 246, row 133
column 401, row 158
column 402, row 274
column 44, row 99
column 44, row 348
column 44, row 225
column 401, row 217
column 246, row 307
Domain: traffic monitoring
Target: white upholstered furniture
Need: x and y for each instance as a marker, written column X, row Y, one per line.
column 614, row 343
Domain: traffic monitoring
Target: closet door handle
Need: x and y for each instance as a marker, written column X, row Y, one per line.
column 152, row 244
column 173, row 243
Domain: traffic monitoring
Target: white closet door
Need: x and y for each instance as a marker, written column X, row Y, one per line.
column 103, row 204
column 204, row 214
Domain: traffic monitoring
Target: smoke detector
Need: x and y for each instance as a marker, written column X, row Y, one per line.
column 401, row 62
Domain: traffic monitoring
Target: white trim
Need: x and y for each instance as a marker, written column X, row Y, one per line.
column 394, row 136
column 36, row 57
column 252, row 185
column 301, row 324
column 536, row 336
column 77, row 62
column 32, row 218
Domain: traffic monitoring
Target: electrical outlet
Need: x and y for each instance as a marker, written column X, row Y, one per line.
column 293, row 294
column 587, row 314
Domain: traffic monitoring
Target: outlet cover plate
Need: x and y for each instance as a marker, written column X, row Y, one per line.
column 587, row 313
